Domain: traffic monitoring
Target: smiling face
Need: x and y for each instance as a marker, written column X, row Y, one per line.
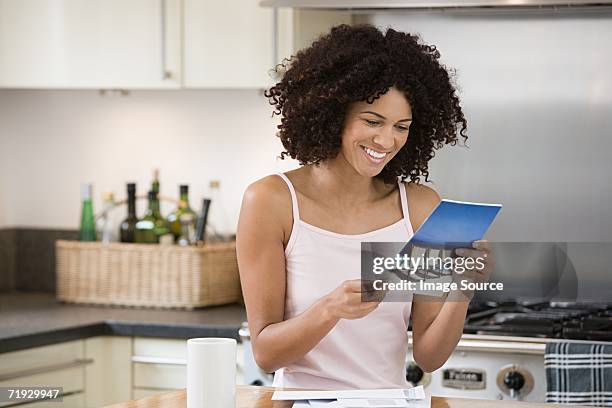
column 374, row 133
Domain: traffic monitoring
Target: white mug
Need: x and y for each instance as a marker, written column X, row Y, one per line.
column 211, row 373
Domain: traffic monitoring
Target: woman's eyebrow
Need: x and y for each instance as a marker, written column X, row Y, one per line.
column 382, row 117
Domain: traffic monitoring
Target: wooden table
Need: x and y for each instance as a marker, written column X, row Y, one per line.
column 260, row 397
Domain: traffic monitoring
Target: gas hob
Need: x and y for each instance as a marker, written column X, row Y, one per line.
column 557, row 320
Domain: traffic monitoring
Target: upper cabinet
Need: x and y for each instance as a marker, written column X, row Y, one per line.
column 228, row 44
column 90, row 44
column 236, row 43
column 150, row 44
column 297, row 29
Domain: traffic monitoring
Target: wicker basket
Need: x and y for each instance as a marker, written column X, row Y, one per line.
column 147, row 275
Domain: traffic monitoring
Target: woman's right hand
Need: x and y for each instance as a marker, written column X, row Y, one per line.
column 345, row 302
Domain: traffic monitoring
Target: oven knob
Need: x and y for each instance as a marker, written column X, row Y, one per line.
column 514, row 380
column 414, row 374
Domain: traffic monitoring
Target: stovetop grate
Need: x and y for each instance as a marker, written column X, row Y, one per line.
column 564, row 320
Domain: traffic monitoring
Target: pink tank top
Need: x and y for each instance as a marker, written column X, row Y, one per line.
column 362, row 353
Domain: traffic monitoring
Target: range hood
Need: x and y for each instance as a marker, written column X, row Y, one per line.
column 434, row 4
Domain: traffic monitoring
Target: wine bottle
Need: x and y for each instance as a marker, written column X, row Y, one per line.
column 187, row 236
column 183, row 214
column 106, row 234
column 152, row 227
column 202, row 220
column 87, row 230
column 155, row 183
column 128, row 226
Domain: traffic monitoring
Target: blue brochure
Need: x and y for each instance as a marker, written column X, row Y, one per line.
column 455, row 224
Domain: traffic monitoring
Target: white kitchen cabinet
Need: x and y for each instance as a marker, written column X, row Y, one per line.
column 93, row 372
column 150, row 44
column 102, row 370
column 57, row 365
column 90, row 44
column 228, row 44
column 235, row 44
column 108, row 378
column 160, row 365
column 69, row 401
column 297, row 29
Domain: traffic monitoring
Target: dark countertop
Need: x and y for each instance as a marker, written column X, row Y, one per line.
column 31, row 319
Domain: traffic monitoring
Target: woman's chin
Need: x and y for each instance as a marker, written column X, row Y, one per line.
column 369, row 171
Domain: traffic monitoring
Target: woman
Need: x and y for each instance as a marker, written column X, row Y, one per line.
column 362, row 111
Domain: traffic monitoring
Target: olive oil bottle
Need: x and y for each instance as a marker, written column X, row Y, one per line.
column 183, row 219
column 152, row 227
column 128, row 226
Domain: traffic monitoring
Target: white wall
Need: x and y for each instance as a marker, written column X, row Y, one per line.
column 537, row 94
column 51, row 141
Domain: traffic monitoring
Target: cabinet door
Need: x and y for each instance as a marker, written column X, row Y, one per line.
column 69, row 401
column 161, row 364
column 228, row 44
column 108, row 378
column 297, row 29
column 90, row 44
column 57, row 365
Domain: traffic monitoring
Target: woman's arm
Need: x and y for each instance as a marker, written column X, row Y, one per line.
column 436, row 329
column 437, row 325
column 263, row 228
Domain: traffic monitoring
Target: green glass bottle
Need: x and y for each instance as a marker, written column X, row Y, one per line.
column 155, row 183
column 87, row 230
column 183, row 214
column 128, row 226
column 152, row 226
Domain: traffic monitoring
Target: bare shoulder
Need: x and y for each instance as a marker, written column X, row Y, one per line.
column 423, row 193
column 270, row 190
column 422, row 200
column 267, row 202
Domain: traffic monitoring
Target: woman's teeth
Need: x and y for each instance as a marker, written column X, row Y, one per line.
column 373, row 154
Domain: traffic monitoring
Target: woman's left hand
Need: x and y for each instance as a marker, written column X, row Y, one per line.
column 483, row 264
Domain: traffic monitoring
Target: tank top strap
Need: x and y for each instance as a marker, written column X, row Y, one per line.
column 404, row 199
column 294, row 202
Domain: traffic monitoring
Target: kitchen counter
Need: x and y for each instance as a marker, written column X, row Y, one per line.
column 260, row 397
column 30, row 319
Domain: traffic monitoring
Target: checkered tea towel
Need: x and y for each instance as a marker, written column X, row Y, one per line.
column 579, row 373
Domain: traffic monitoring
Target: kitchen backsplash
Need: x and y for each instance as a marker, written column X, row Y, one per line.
column 8, row 252
column 27, row 258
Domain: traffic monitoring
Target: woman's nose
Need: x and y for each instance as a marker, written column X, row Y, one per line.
column 384, row 138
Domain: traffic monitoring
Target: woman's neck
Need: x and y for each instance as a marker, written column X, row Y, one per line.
column 341, row 183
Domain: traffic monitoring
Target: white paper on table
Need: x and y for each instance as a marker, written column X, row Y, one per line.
column 384, row 403
column 416, row 393
column 373, row 403
column 317, row 404
column 325, row 404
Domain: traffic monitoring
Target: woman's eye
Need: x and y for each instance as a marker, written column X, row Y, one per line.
column 402, row 128
column 371, row 122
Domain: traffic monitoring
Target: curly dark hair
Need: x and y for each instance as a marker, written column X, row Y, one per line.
column 360, row 63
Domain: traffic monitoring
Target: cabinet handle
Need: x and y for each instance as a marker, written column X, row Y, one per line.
column 162, row 360
column 158, row 360
column 165, row 73
column 275, row 51
column 46, row 369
